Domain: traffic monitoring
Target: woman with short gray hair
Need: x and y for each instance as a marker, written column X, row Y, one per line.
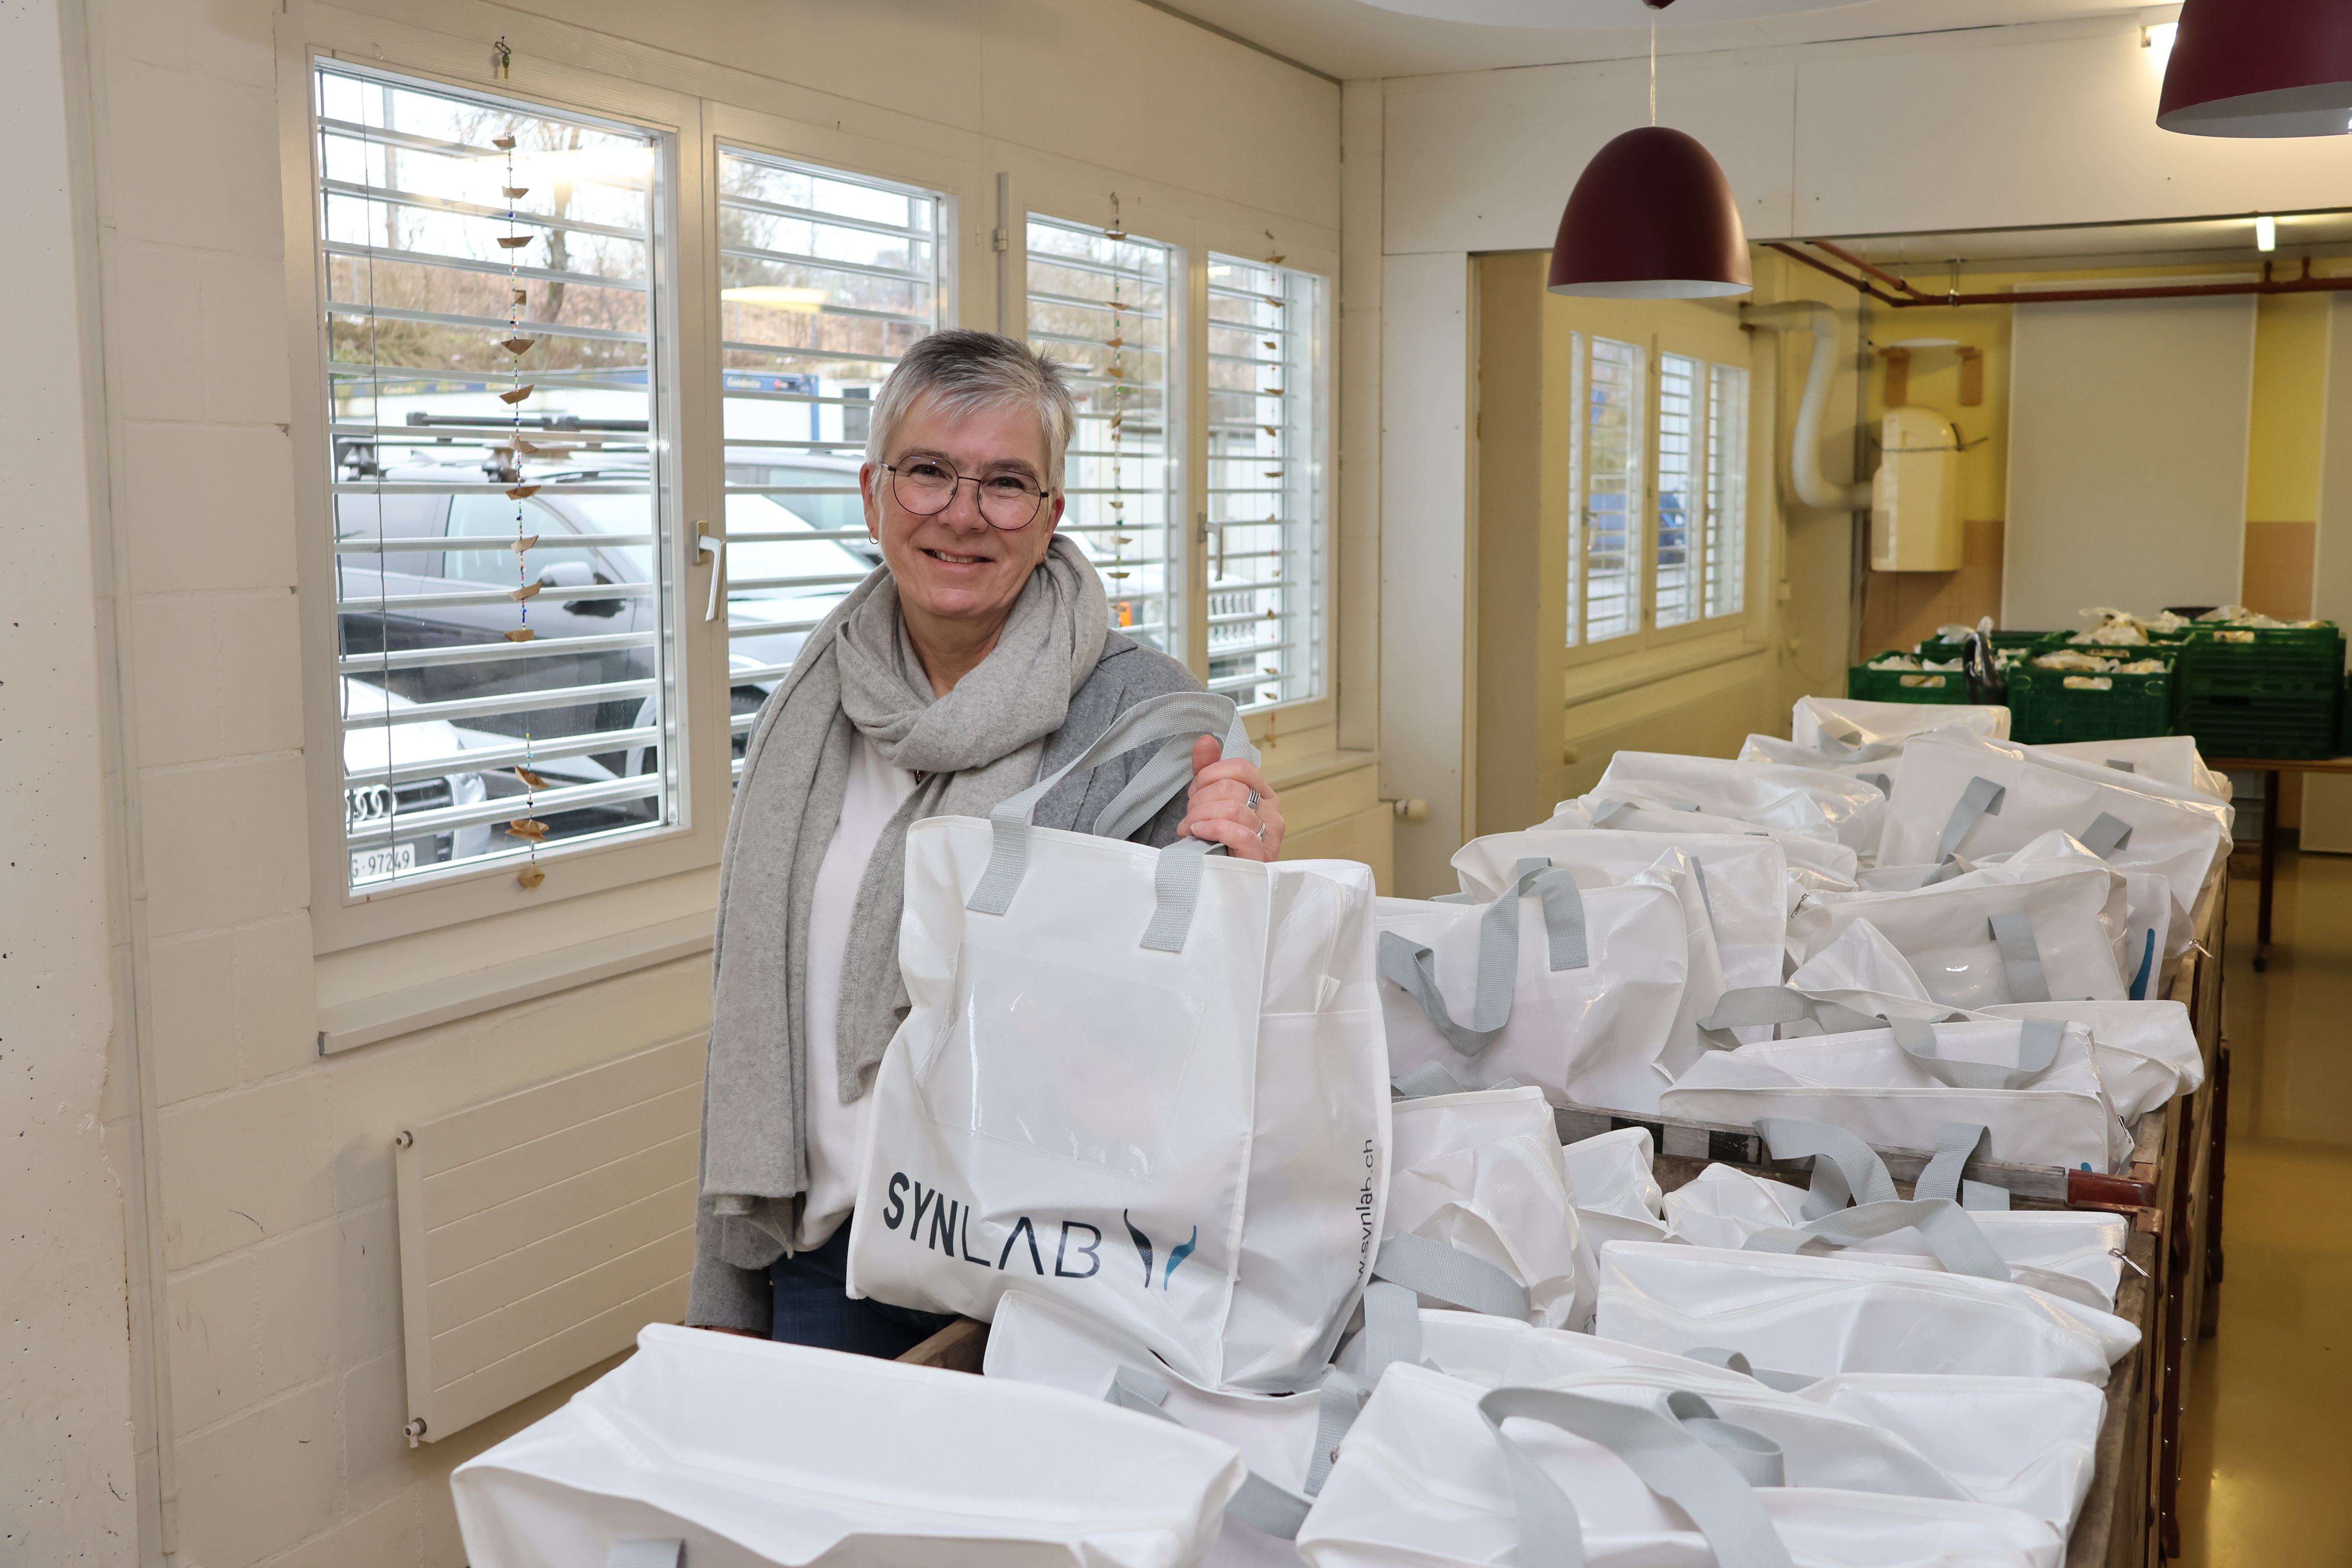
column 976, row 659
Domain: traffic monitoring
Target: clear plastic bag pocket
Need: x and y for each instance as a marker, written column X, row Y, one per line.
column 1083, row 1065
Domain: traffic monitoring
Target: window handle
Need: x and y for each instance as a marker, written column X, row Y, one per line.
column 710, row 553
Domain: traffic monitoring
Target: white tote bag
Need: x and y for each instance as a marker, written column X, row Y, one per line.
column 754, row 1454
column 2072, row 1255
column 1835, row 724
column 2032, row 1084
column 1285, row 1439
column 1612, row 1176
column 1814, row 856
column 2019, row 1442
column 1873, row 765
column 1959, row 794
column 1798, row 800
column 2050, row 929
column 1578, row 993
column 2147, row 1052
column 1809, row 1316
column 1153, row 1086
column 1438, row 1471
column 2167, row 759
column 1742, row 882
column 1479, row 1214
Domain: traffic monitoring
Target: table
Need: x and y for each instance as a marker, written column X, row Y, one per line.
column 2270, row 768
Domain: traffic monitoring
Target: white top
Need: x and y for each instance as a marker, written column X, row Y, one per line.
column 874, row 792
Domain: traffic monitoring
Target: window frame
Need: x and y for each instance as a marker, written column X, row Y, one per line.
column 681, row 267
column 1710, row 332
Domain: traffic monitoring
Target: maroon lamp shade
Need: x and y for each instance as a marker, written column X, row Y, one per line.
column 1652, row 218
column 2260, row 68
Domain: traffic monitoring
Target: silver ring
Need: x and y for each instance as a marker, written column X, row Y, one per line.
column 1251, row 802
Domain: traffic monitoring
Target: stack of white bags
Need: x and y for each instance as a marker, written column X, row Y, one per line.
column 1258, row 1178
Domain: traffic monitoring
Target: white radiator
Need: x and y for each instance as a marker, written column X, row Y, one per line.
column 539, row 1231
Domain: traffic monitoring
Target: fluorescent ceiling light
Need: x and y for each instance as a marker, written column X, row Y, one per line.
column 2157, row 40
column 2266, row 233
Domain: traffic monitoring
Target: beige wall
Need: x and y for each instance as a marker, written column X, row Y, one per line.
column 267, row 1329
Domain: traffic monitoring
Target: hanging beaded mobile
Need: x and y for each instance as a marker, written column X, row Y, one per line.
column 527, row 828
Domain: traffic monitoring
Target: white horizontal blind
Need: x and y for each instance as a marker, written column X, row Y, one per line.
column 1268, row 481
column 1604, row 554
column 1102, row 302
column 826, row 279
column 1725, row 533
column 1675, row 594
column 497, row 416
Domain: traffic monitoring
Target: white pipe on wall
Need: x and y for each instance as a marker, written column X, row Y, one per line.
column 1805, row 448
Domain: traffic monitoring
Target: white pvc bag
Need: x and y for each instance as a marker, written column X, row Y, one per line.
column 1809, row 1317
column 2031, row 1083
column 2148, row 947
column 1848, row 725
column 1479, row 1214
column 2076, row 1255
column 2147, row 1052
column 2019, row 1442
column 1440, row 1471
column 1956, row 794
column 2167, row 759
column 751, row 1454
column 1795, row 799
column 1148, row 1082
column 1286, row 1440
column 1612, row 1176
column 1741, row 883
column 1814, row 855
column 1873, row 765
column 2044, row 932
column 1578, row 993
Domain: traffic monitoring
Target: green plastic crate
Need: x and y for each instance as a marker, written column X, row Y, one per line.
column 2042, row 709
column 2267, row 691
column 1942, row 650
column 1864, row 684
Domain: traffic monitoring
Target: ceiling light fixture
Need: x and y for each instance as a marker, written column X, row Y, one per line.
column 1652, row 218
column 2260, row 68
column 2265, row 233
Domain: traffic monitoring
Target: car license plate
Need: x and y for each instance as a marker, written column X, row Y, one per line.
column 376, row 865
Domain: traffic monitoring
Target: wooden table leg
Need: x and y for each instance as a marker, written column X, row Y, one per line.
column 2270, row 868
column 2210, row 1319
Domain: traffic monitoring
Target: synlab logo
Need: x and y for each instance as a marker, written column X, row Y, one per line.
column 1143, row 1249
column 949, row 1233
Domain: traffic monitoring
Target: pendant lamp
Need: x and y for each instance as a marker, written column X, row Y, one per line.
column 2260, row 68
column 1652, row 218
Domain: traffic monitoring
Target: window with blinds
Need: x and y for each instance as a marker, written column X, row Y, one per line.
column 1267, row 481
column 493, row 277
column 1101, row 301
column 826, row 279
column 1657, row 466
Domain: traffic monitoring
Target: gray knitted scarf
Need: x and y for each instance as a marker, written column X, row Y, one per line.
column 972, row 749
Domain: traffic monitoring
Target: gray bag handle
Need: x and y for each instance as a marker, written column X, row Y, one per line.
column 1845, row 1169
column 1260, row 1504
column 1732, row 1360
column 1744, row 1006
column 1430, row 1267
column 1847, row 745
column 1957, row 1143
column 2106, row 834
column 2037, row 1048
column 646, row 1553
column 1178, row 718
column 1879, row 782
column 1694, row 1469
column 1392, row 1328
column 2021, row 959
column 1981, row 798
column 1955, row 1240
column 1412, row 966
column 1340, row 1399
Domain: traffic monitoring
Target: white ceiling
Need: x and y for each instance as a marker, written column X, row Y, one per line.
column 1350, row 38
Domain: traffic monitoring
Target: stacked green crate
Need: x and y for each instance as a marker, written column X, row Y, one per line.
column 2047, row 706
column 1867, row 685
column 2262, row 691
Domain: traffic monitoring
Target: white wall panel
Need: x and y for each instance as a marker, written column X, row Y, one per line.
column 1485, row 161
column 2128, row 427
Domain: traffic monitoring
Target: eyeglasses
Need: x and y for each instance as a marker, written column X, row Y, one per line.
column 927, row 486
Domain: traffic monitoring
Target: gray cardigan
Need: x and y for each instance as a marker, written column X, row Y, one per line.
column 724, row 1296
